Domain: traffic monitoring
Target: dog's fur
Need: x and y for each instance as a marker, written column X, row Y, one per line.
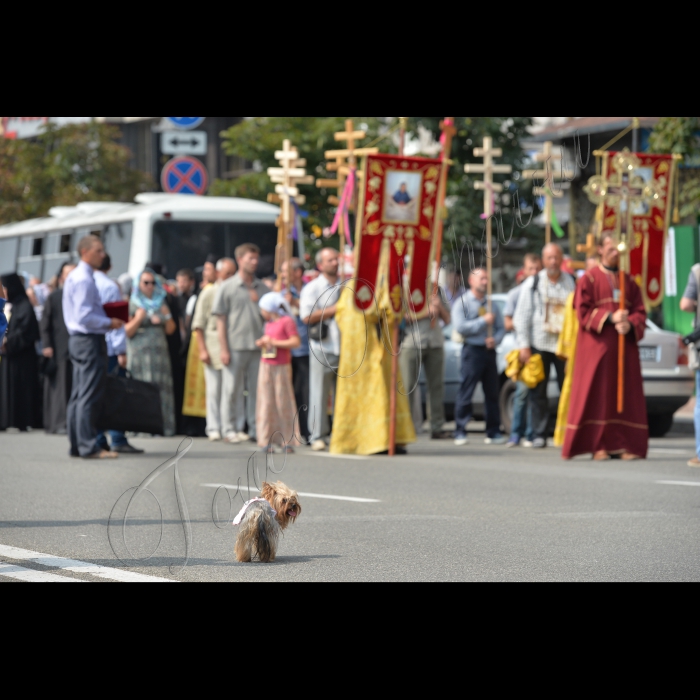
column 260, row 530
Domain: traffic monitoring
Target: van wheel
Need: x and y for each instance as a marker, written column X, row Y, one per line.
column 660, row 425
column 506, row 405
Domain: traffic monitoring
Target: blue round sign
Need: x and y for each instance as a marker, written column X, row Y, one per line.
column 187, row 122
column 185, row 175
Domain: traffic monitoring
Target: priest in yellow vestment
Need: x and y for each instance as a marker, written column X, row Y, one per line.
column 361, row 425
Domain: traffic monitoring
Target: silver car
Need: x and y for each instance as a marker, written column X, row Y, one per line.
column 668, row 381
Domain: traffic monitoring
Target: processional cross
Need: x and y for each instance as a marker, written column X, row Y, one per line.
column 489, row 169
column 287, row 178
column 345, row 164
column 621, row 191
column 548, row 177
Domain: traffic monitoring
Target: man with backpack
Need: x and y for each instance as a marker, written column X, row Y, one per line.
column 689, row 304
column 539, row 321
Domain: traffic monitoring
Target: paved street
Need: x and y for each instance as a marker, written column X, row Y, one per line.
column 440, row 514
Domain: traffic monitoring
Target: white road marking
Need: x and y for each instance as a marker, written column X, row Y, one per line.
column 357, row 458
column 679, row 453
column 244, row 490
column 31, row 576
column 78, row 567
column 678, row 483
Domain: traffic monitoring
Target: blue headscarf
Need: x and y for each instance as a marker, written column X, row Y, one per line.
column 151, row 306
column 3, row 320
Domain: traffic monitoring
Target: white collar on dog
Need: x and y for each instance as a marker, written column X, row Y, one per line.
column 241, row 515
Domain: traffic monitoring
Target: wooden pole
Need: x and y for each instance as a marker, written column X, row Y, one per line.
column 449, row 132
column 621, row 348
column 393, row 389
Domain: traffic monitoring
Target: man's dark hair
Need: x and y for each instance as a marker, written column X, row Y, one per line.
column 106, row 264
column 245, row 249
column 186, row 273
column 533, row 258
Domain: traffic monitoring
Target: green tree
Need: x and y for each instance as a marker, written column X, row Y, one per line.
column 680, row 135
column 65, row 166
column 257, row 139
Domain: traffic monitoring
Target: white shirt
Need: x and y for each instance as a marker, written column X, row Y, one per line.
column 317, row 296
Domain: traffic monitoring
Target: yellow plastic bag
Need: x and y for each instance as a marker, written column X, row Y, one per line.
column 532, row 374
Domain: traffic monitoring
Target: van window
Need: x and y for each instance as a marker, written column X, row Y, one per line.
column 178, row 244
column 31, row 261
column 117, row 240
column 8, row 254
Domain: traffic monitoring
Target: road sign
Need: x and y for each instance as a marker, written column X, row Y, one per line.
column 179, row 143
column 184, row 175
column 186, row 122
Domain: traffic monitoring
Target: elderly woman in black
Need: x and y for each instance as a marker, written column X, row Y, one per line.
column 19, row 374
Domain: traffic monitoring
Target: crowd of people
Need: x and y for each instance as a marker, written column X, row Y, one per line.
column 269, row 352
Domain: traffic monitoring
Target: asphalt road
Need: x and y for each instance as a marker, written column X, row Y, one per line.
column 440, row 514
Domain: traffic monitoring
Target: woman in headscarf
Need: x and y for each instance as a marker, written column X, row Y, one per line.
column 148, row 359
column 19, row 365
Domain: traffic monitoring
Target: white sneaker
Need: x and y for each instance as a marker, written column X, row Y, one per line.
column 214, row 437
column 243, row 437
column 462, row 441
column 528, row 444
column 498, row 440
column 233, row 439
column 319, row 446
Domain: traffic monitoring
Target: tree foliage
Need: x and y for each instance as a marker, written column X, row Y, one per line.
column 257, row 139
column 65, row 166
column 680, row 135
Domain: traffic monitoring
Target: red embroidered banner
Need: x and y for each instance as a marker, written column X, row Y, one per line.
column 397, row 227
column 650, row 226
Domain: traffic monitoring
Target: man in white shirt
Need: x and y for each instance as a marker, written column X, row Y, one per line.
column 539, row 321
column 318, row 307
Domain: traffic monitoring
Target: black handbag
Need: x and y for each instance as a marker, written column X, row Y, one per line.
column 131, row 406
column 318, row 332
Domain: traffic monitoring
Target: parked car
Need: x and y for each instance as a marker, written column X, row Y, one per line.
column 668, row 381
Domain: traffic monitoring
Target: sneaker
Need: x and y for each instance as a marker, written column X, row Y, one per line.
column 539, row 444
column 513, row 443
column 319, row 446
column 214, row 437
column 127, row 449
column 694, row 463
column 528, row 444
column 244, row 437
column 497, row 440
column 232, row 439
column 461, row 440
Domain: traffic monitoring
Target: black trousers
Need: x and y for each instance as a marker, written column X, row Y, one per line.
column 538, row 397
column 88, row 353
column 301, row 379
column 479, row 366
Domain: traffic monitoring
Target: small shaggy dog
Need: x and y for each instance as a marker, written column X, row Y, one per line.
column 263, row 520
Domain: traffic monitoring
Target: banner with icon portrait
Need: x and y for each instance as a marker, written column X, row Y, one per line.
column 397, row 231
column 650, row 226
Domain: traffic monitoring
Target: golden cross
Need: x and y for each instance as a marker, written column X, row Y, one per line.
column 590, row 249
column 287, row 178
column 548, row 176
column 621, row 191
column 489, row 169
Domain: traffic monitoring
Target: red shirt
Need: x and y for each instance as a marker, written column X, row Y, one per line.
column 283, row 328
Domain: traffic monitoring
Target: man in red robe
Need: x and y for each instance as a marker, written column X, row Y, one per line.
column 594, row 424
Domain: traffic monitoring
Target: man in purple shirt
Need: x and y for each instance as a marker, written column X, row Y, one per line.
column 87, row 326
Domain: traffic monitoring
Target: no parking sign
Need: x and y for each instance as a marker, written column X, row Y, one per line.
column 185, row 175
column 186, row 122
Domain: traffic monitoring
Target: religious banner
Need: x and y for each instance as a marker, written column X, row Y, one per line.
column 650, row 222
column 397, row 227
